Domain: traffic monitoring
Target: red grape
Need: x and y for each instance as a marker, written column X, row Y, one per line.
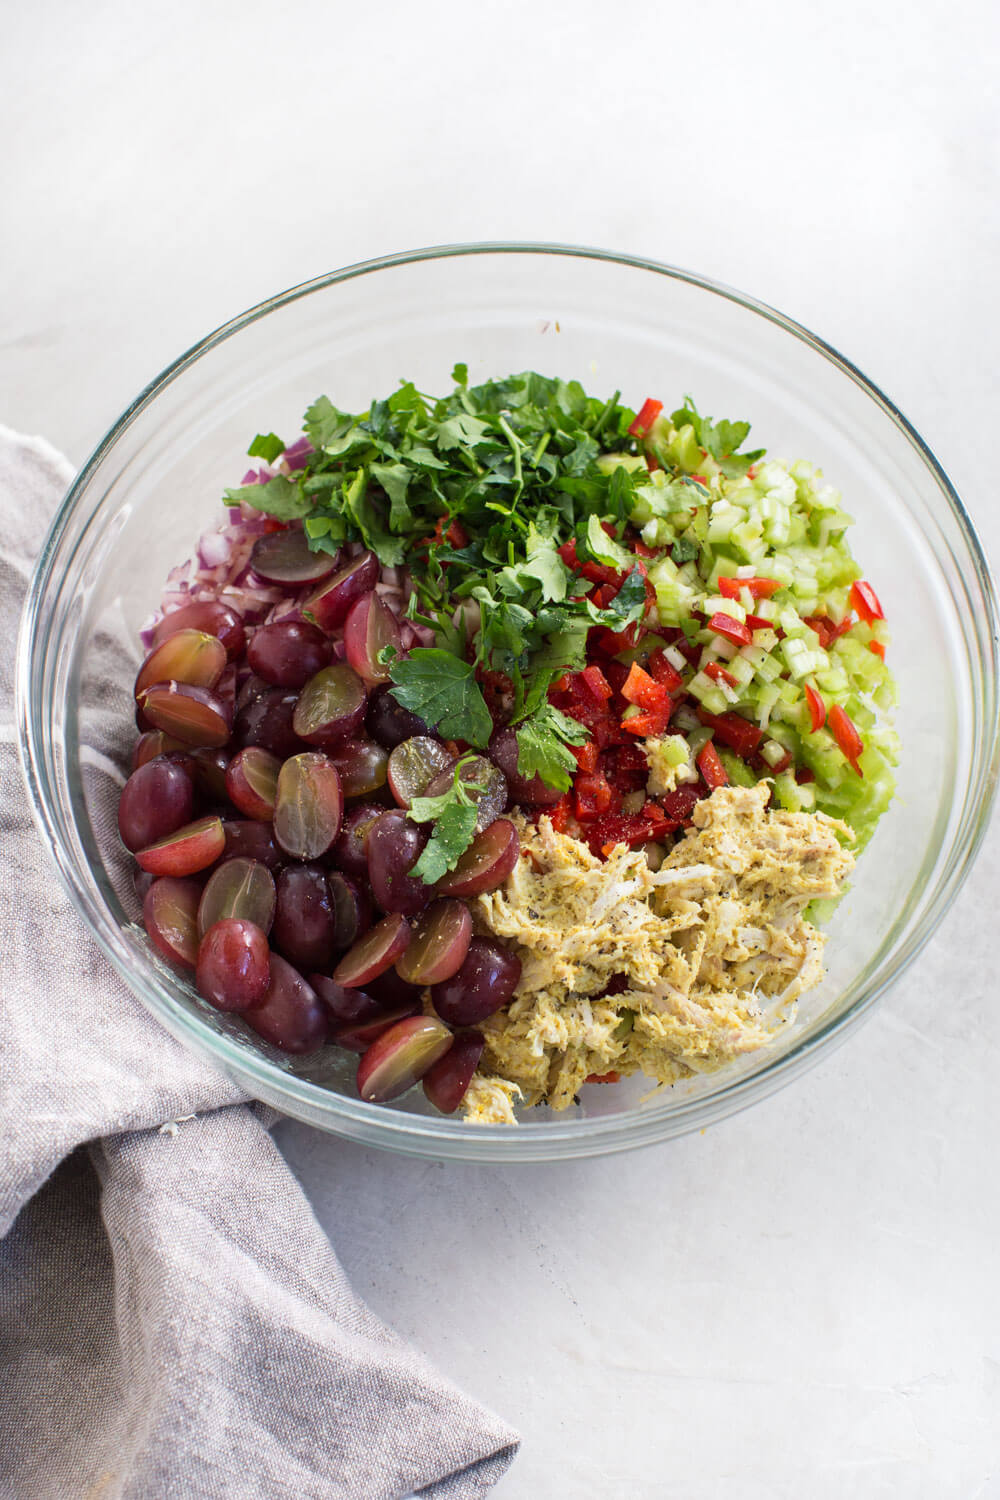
column 389, row 722
column 291, row 1015
column 331, row 706
column 484, row 984
column 252, row 782
column 440, row 941
column 210, row 616
column 400, row 1057
column 394, row 846
column 414, row 764
column 370, row 627
column 151, row 744
column 447, row 1082
column 357, row 1036
column 350, row 852
column 253, row 841
column 308, row 805
column 486, row 863
column 476, row 772
column 190, row 849
column 330, row 604
column 530, row 791
column 304, row 924
column 288, row 652
column 238, row 888
column 346, row 1007
column 352, row 909
column 285, row 557
column 362, row 765
column 170, row 914
column 268, row 721
column 156, row 800
column 188, row 656
column 233, row 968
column 187, row 712
column 372, row 954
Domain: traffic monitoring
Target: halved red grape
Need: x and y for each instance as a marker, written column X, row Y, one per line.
column 331, row 706
column 252, row 782
column 308, row 806
column 476, row 772
column 414, row 764
column 346, row 1007
column 208, row 767
column 486, row 863
column 484, row 984
column 225, row 690
column 357, row 1036
column 156, row 800
column 151, row 744
column 186, row 712
column 207, row 615
column 394, row 846
column 291, row 1015
column 389, row 722
column 352, row 909
column 372, row 954
column 251, row 688
column 531, row 791
column 170, row 914
column 252, row 840
column 350, row 852
column 288, row 652
column 447, row 1082
column 304, row 923
column 269, row 721
column 362, row 765
column 190, row 849
column 440, row 941
column 391, row 991
column 285, row 557
column 330, row 604
column 238, row 888
column 233, row 967
column 370, row 627
column 188, row 656
column 400, row 1058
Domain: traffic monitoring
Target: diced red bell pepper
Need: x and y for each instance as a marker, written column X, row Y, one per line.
column 651, row 722
column 598, row 684
column 561, row 812
column 611, row 642
column 641, row 689
column 592, row 796
column 603, row 573
column 626, row 768
column 641, row 550
column 718, row 673
column 865, row 600
column 817, row 708
column 877, row 648
column 730, row 629
column 586, row 756
column 644, row 419
column 711, row 767
column 679, row 804
column 757, row 622
column 568, row 554
column 735, row 732
column 825, row 628
column 846, row 735
column 804, row 776
column 612, row 1077
column 760, row 588
column 663, row 671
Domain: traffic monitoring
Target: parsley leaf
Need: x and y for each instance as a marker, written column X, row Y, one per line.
column 543, row 746
column 267, row 446
column 453, row 814
column 279, row 497
column 684, row 550
column 443, row 690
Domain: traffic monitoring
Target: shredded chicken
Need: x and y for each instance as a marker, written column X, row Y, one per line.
column 667, row 972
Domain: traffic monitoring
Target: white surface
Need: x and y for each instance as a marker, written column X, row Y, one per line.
column 803, row 1301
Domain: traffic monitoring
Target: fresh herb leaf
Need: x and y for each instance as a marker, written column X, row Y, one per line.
column 684, row 550
column 630, row 601
column 279, row 497
column 543, row 743
column 444, row 692
column 603, row 548
column 453, row 814
column 267, row 446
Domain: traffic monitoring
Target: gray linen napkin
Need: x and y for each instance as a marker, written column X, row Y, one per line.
column 174, row 1324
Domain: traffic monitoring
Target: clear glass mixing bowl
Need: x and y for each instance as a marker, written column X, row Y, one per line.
column 611, row 322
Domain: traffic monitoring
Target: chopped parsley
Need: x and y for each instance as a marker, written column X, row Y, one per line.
column 453, row 814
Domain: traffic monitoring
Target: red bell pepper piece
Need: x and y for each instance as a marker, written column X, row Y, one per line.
column 641, row 689
column 817, row 708
column 718, row 673
column 730, row 629
column 711, row 767
column 679, row 804
column 878, row 649
column 641, row 550
column 760, row 588
column 568, row 554
column 846, row 735
column 865, row 600
column 651, row 722
column 757, row 622
column 612, row 1077
column 586, row 756
column 592, row 796
column 597, row 683
column 561, row 813
column 663, row 671
column 735, row 732
column 827, row 631
column 646, row 416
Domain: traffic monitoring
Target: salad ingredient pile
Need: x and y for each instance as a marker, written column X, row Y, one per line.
column 458, row 742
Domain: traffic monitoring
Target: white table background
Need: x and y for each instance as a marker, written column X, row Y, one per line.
column 802, row 1302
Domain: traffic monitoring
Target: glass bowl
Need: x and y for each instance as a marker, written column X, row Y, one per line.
column 612, row 322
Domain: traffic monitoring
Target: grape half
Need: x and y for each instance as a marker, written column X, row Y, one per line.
column 233, row 968
column 308, row 805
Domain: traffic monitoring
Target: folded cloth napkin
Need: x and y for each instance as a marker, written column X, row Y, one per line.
column 174, row 1324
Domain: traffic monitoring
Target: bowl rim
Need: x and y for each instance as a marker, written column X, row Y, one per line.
column 447, row 1137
